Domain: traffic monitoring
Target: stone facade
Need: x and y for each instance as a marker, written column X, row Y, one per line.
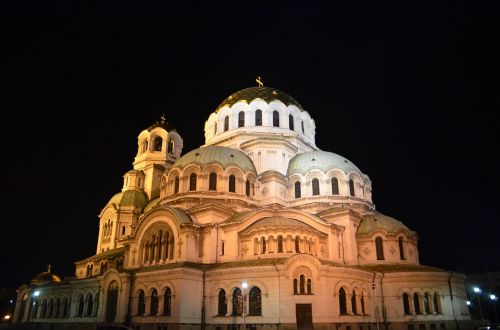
column 256, row 227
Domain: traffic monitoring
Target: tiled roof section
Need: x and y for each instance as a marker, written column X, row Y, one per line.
column 275, row 221
column 133, row 198
column 320, row 160
column 106, row 254
column 267, row 94
column 371, row 222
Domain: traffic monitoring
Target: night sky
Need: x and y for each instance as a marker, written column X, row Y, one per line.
column 408, row 91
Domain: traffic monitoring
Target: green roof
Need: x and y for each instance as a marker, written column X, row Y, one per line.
column 320, row 160
column 133, row 198
column 267, row 94
column 152, row 203
column 275, row 221
column 223, row 156
column 371, row 222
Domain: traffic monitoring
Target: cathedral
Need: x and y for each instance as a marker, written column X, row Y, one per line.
column 256, row 229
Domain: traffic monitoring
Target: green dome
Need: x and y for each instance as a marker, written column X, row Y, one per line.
column 133, row 198
column 371, row 222
column 223, row 156
column 265, row 93
column 319, row 160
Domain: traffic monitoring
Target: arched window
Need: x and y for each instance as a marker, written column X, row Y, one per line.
column 192, row 182
column 170, row 147
column 280, row 244
column 302, row 124
column 167, row 302
column 112, row 302
column 222, row 303
column 65, row 308
column 342, row 302
column 297, row 247
column 57, row 312
column 141, row 304
column 406, row 304
column 335, row 186
column 263, row 245
column 437, row 303
column 309, row 286
column 295, row 286
column 427, row 306
column 34, row 310
column 401, row 248
column 144, row 146
column 212, row 181
column 353, row 303
column 416, row 302
column 215, row 128
column 255, row 302
column 315, row 187
column 351, row 187
column 247, row 188
column 379, row 246
column 302, row 284
column 290, row 122
column 153, row 310
column 258, row 118
column 241, row 119
column 176, row 185
column 81, row 305
column 232, row 183
column 226, row 123
column 43, row 312
column 90, row 305
column 157, row 144
column 363, row 310
column 237, row 302
column 276, row 118
column 297, row 189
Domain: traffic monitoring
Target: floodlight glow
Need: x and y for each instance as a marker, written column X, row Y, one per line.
column 244, row 285
column 6, row 317
column 468, row 302
column 477, row 290
column 493, row 297
column 36, row 293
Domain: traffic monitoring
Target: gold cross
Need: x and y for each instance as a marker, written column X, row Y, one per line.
column 259, row 82
column 48, row 268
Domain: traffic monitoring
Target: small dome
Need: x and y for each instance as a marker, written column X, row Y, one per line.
column 265, row 93
column 45, row 277
column 371, row 222
column 223, row 156
column 133, row 198
column 320, row 160
column 163, row 123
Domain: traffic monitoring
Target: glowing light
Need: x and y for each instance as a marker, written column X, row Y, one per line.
column 477, row 290
column 11, row 301
column 244, row 285
column 6, row 317
column 36, row 293
column 493, row 297
column 468, row 302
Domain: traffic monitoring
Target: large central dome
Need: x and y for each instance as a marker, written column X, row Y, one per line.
column 267, row 94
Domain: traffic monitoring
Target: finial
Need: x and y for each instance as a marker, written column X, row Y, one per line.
column 163, row 119
column 48, row 268
column 259, row 82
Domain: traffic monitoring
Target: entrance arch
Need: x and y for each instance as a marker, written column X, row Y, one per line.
column 112, row 302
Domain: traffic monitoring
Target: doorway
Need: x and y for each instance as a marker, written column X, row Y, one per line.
column 303, row 313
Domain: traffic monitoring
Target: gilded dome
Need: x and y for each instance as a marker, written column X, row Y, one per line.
column 45, row 277
column 223, row 156
column 133, row 198
column 319, row 160
column 371, row 222
column 267, row 94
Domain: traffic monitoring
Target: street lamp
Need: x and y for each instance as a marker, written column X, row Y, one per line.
column 244, row 285
column 493, row 301
column 478, row 291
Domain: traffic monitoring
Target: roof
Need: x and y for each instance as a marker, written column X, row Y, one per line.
column 223, row 156
column 267, row 94
column 320, row 160
column 45, row 277
column 371, row 222
column 275, row 221
column 163, row 123
column 133, row 198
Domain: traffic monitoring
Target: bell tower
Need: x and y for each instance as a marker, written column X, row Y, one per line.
column 159, row 146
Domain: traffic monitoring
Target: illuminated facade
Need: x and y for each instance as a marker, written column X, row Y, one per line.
column 259, row 205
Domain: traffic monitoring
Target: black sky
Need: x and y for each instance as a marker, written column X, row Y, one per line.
column 407, row 91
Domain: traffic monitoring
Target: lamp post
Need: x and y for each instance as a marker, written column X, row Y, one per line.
column 478, row 291
column 244, row 285
column 493, row 301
